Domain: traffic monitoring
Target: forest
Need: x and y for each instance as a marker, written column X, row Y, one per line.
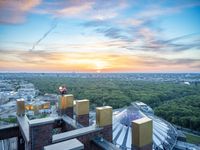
column 175, row 102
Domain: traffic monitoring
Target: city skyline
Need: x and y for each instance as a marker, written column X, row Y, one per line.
column 99, row 36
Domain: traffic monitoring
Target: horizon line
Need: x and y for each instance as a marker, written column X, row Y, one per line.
column 96, row 72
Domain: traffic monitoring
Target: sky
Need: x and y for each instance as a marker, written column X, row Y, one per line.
column 100, row 36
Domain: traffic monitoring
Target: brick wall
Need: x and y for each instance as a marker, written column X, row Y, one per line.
column 87, row 140
column 20, row 142
column 69, row 111
column 107, row 133
column 66, row 127
column 83, row 119
column 9, row 132
column 41, row 136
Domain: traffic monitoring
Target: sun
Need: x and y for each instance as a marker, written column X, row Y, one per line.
column 99, row 65
column 98, row 71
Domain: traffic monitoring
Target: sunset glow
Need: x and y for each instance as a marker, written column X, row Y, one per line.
column 99, row 36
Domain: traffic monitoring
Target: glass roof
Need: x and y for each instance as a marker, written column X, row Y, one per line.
column 128, row 115
column 164, row 134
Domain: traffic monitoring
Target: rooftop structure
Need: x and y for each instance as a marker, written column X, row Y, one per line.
column 37, row 107
column 134, row 127
column 72, row 128
column 164, row 134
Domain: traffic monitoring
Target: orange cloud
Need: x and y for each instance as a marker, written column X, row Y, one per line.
column 14, row 11
column 74, row 10
column 60, row 61
column 91, row 62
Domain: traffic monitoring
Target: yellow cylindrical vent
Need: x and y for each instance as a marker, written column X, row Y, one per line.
column 103, row 116
column 62, row 100
column 82, row 107
column 66, row 101
column 20, row 107
column 70, row 100
column 142, row 131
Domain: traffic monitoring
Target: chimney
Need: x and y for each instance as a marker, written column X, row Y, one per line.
column 104, row 120
column 142, row 131
column 82, row 112
column 66, row 105
column 20, row 107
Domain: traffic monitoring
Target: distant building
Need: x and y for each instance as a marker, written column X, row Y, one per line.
column 7, row 92
column 52, row 98
column 27, row 91
column 38, row 107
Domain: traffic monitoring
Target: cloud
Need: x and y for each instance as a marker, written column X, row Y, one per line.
column 177, row 44
column 96, row 23
column 159, row 10
column 171, row 63
column 77, row 61
column 127, row 37
column 141, row 30
column 74, row 9
column 90, row 9
column 13, row 12
column 24, row 56
column 144, row 37
column 113, row 33
column 109, row 30
column 134, row 22
column 92, row 62
column 182, row 37
column 147, row 39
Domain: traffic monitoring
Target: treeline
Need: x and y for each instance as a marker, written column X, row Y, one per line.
column 164, row 97
column 184, row 111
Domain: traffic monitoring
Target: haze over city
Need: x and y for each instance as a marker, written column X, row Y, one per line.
column 99, row 36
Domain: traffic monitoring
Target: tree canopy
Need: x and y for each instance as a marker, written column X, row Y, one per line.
column 175, row 102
